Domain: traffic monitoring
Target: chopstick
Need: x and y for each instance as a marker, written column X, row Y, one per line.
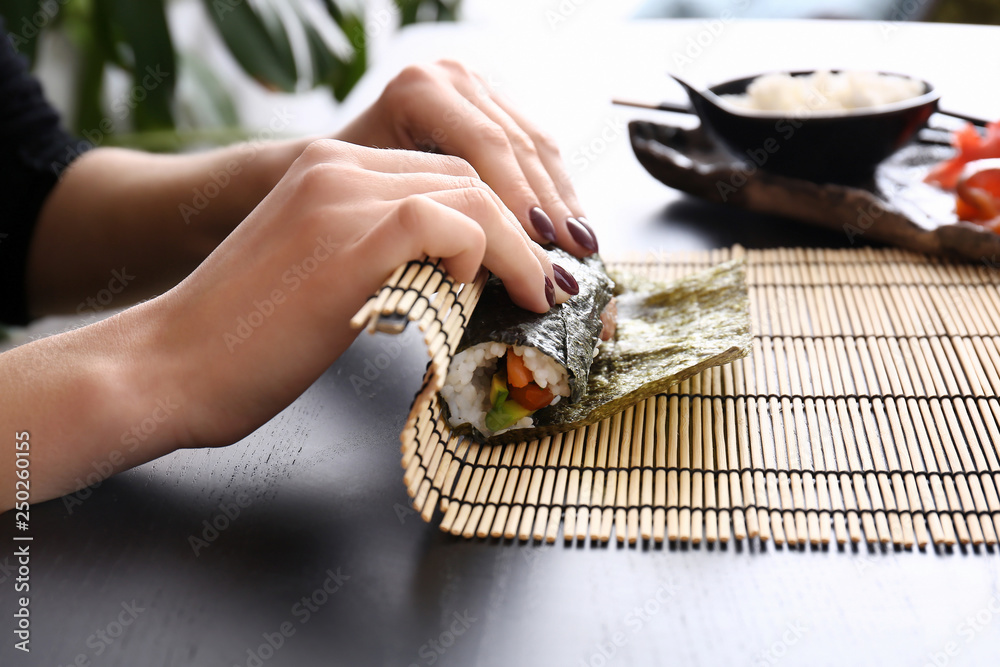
column 662, row 106
column 979, row 122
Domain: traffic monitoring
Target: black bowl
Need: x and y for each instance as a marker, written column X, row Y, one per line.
column 842, row 147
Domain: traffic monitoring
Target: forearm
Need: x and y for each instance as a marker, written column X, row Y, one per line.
column 93, row 400
column 123, row 225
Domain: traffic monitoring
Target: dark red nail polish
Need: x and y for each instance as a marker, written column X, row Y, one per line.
column 582, row 234
column 565, row 280
column 542, row 224
column 550, row 292
column 586, row 223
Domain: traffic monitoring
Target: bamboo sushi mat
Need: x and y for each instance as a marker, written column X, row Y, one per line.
column 867, row 409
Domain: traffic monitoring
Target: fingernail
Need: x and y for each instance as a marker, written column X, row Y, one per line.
column 565, row 280
column 543, row 225
column 582, row 234
column 550, row 292
column 593, row 234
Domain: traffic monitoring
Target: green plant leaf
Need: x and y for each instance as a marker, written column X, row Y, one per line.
column 90, row 81
column 257, row 39
column 142, row 28
column 343, row 78
column 413, row 11
column 210, row 105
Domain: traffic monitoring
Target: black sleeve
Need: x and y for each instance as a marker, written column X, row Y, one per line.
column 34, row 150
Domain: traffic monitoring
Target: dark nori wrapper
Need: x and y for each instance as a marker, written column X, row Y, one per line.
column 568, row 332
column 667, row 332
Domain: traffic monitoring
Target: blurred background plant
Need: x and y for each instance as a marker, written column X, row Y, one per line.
column 284, row 45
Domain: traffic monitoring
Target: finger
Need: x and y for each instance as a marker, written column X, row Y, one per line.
column 561, row 281
column 465, row 130
column 465, row 228
column 388, row 161
column 531, row 149
column 548, row 152
column 400, row 186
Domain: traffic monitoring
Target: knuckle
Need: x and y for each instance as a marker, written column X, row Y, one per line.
column 547, row 143
column 412, row 75
column 477, row 195
column 322, row 180
column 320, row 150
column 457, row 165
column 494, row 137
column 522, row 143
column 455, row 67
column 409, row 213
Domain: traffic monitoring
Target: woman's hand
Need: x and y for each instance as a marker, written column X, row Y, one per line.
column 268, row 311
column 446, row 107
column 261, row 318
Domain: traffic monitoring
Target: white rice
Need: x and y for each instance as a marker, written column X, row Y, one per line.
column 467, row 386
column 825, row 91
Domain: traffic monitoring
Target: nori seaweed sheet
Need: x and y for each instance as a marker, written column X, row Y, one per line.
column 567, row 332
column 667, row 332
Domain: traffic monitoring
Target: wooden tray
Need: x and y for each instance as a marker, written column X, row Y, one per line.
column 895, row 207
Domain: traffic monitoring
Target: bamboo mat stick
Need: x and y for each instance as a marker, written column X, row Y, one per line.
column 559, row 492
column 684, row 449
column 586, row 493
column 495, row 488
column 548, row 488
column 646, row 483
column 721, row 463
column 673, row 464
column 598, row 502
column 533, row 498
column 505, row 489
column 516, row 503
column 635, row 462
column 697, row 462
column 744, row 493
column 609, row 513
column 573, row 485
column 660, row 492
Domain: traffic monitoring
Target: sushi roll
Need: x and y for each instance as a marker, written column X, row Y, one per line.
column 512, row 363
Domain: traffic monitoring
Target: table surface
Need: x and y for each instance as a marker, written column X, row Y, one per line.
column 315, row 558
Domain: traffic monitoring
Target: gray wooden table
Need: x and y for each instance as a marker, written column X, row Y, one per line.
column 296, row 547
